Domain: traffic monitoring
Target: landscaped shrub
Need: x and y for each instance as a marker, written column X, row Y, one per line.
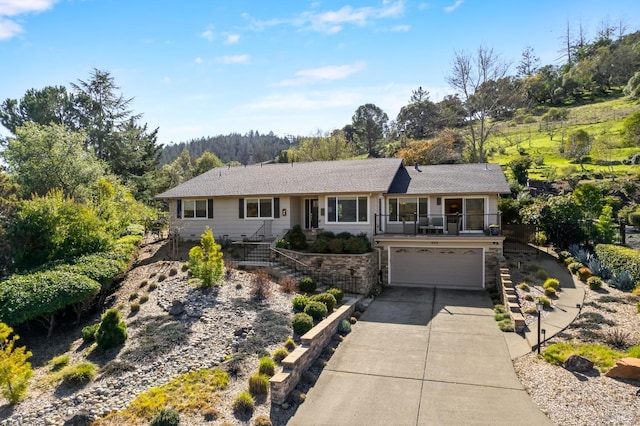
column 541, row 274
column 308, row 285
column 506, row 325
column 288, row 284
column 258, row 384
column 302, row 323
column 574, row 267
column 327, row 299
column 134, row 308
column 337, row 293
column 546, row 302
column 564, row 254
column 260, row 288
column 166, row 417
column 551, row 283
column 317, row 310
column 79, row 374
column 602, row 356
column 550, row 292
column 524, row 286
column 266, row 366
column 622, row 280
column 320, row 245
column 357, row 245
column 618, row 258
column 297, row 239
column 89, row 333
column 569, row 260
column 634, row 219
column 618, row 338
column 336, row 246
column 59, row 362
column 15, row 371
column 112, row 331
column 262, row 421
column 594, row 283
column 144, row 298
column 299, row 302
column 290, row 344
column 205, row 260
column 499, row 316
column 499, row 309
column 173, row 271
column 344, row 327
column 583, row 274
column 243, row 403
column 280, row 354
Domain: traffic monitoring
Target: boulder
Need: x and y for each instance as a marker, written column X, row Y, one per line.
column 177, row 308
column 625, row 368
column 578, row 364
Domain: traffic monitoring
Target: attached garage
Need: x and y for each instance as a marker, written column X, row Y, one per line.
column 436, row 267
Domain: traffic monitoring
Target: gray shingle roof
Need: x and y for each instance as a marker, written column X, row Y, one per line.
column 455, row 179
column 319, row 177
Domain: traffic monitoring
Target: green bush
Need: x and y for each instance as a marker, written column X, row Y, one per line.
column 89, row 333
column 583, row 273
column 344, row 326
column 320, row 245
column 506, row 325
column 602, row 356
column 594, row 283
column 308, row 285
column 112, row 331
column 574, row 267
column 551, row 283
column 59, row 362
column 258, row 384
column 243, row 403
column 499, row 309
column 564, row 254
column 166, row 417
column 546, row 302
column 15, row 371
column 317, row 310
column 266, row 366
column 327, row 299
column 569, row 260
column 79, row 374
column 205, row 260
column 337, row 293
column 297, row 239
column 290, row 344
column 336, row 246
column 280, row 354
column 619, row 258
column 357, row 245
column 299, row 303
column 634, row 219
column 42, row 294
column 302, row 323
column 100, row 267
column 524, row 286
column 541, row 274
column 550, row 292
column 501, row 316
column 634, row 351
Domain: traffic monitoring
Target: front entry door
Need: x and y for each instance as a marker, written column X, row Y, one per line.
column 310, row 213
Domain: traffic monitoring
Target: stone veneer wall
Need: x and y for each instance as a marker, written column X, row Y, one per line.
column 332, row 268
column 312, row 344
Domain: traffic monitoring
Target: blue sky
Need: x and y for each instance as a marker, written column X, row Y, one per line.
column 205, row 67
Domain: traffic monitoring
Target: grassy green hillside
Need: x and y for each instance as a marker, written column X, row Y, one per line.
column 526, row 135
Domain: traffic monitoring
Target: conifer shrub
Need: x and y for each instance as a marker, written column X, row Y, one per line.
column 594, row 283
column 279, row 354
column 308, row 285
column 302, row 323
column 317, row 310
column 299, row 303
column 337, row 293
column 289, row 344
column 112, row 331
column 327, row 299
column 89, row 333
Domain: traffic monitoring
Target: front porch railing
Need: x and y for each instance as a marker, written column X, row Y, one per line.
column 440, row 224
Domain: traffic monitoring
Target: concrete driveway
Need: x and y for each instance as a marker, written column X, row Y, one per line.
column 421, row 356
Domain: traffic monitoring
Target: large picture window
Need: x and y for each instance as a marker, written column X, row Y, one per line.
column 259, row 208
column 408, row 209
column 347, row 209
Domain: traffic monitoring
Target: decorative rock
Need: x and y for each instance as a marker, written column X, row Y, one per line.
column 626, row 368
column 578, row 364
column 177, row 308
column 286, row 406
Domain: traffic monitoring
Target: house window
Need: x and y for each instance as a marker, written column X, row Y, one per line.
column 408, row 209
column 347, row 209
column 259, row 208
column 197, row 209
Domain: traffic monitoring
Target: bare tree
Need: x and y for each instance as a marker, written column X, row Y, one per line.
column 468, row 75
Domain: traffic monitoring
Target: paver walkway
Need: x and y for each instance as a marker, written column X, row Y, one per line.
column 421, row 357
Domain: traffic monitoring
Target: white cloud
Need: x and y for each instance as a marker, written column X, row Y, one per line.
column 334, row 21
column 11, row 8
column 454, row 6
column 232, row 39
column 208, row 33
column 326, row 73
column 234, row 59
column 198, row 60
column 399, row 29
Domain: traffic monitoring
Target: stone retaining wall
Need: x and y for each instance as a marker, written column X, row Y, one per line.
column 312, row 344
column 510, row 298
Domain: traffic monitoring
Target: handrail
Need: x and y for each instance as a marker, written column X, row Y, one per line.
column 254, row 237
column 289, row 257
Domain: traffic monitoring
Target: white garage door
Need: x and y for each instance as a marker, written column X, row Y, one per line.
column 436, row 267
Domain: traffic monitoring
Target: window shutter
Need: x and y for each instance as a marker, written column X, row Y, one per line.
column 210, row 208
column 241, row 208
column 179, row 209
column 276, row 208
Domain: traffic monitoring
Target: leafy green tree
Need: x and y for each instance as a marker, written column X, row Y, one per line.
column 329, row 147
column 578, row 146
column 418, row 119
column 590, row 199
column 15, row 371
column 631, row 130
column 468, row 75
column 112, row 330
column 206, row 162
column 520, row 169
column 370, row 127
column 42, row 158
column 8, row 205
column 632, row 89
column 559, row 217
column 205, row 260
